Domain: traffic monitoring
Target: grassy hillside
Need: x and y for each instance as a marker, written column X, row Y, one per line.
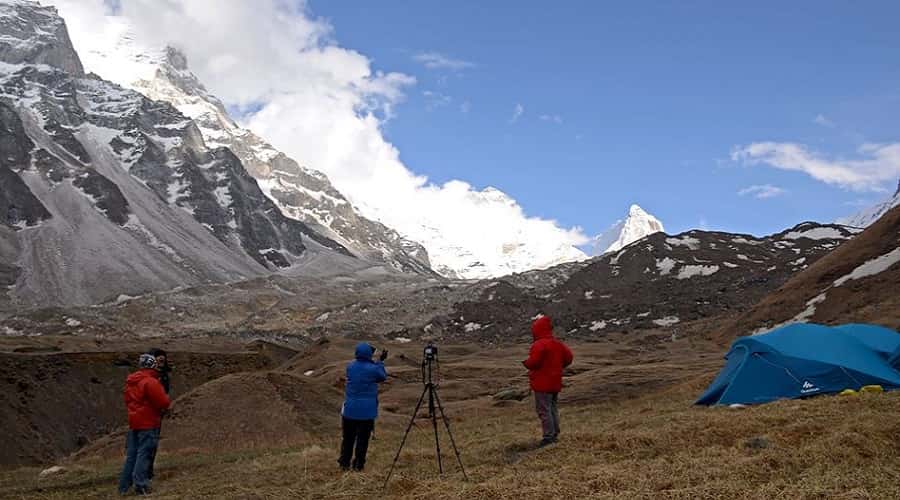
column 654, row 446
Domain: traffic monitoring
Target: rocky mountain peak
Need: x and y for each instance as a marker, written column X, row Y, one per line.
column 33, row 34
column 636, row 225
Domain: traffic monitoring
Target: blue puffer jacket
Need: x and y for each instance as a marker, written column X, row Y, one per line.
column 363, row 377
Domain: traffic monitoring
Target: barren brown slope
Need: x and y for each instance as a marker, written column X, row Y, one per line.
column 260, row 409
column 51, row 404
column 822, row 294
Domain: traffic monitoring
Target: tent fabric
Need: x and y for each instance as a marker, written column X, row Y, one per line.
column 804, row 359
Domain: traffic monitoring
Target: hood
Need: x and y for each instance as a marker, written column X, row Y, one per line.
column 542, row 328
column 139, row 375
column 364, row 351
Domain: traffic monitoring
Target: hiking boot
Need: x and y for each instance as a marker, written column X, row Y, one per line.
column 142, row 491
column 546, row 442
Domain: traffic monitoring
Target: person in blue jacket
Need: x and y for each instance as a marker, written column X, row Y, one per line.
column 360, row 405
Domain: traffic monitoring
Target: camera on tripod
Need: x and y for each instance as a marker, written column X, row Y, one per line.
column 430, row 365
column 430, row 352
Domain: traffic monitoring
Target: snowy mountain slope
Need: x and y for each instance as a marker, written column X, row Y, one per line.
column 106, row 192
column 867, row 217
column 301, row 193
column 637, row 225
column 405, row 241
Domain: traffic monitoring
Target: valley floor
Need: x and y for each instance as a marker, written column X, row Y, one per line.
column 654, row 446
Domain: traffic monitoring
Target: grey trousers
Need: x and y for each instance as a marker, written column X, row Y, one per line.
column 545, row 404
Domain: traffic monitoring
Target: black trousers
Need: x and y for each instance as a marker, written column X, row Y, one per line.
column 356, row 434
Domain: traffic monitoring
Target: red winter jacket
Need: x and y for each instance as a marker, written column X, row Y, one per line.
column 547, row 358
column 145, row 400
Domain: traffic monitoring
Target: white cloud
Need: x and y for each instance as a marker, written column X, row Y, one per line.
column 434, row 60
column 877, row 163
column 552, row 118
column 320, row 103
column 823, row 120
column 518, row 111
column 762, row 191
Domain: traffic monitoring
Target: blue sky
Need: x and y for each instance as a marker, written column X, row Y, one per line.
column 641, row 103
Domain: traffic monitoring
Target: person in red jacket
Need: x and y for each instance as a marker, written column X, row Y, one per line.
column 145, row 400
column 545, row 363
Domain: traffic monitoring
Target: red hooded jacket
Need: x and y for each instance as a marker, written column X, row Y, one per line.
column 145, row 400
column 547, row 358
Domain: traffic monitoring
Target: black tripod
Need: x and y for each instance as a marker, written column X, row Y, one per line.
column 434, row 402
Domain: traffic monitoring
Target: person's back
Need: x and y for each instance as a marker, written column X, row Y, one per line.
column 360, row 405
column 145, row 400
column 546, row 361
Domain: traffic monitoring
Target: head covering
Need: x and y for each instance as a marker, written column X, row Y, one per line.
column 542, row 328
column 364, row 351
column 156, row 351
column 147, row 361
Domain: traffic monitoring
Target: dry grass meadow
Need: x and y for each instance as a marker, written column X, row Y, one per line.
column 653, row 446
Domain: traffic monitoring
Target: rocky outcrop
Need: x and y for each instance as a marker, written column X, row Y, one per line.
column 36, row 36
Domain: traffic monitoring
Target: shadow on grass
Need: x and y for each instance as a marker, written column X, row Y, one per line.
column 517, row 451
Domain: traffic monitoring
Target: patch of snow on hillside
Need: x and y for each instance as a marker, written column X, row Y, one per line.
column 729, row 264
column 665, row 265
column 871, row 267
column 667, row 321
column 472, row 327
column 818, row 233
column 589, row 294
column 810, row 310
column 223, row 196
column 597, row 325
column 691, row 271
column 687, row 241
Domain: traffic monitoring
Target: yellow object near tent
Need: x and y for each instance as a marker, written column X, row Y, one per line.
column 849, row 392
column 876, row 389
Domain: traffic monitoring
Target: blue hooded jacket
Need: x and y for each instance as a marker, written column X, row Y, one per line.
column 363, row 377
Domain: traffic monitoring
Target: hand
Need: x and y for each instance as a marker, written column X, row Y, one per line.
column 384, row 355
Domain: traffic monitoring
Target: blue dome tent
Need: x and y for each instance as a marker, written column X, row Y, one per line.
column 802, row 359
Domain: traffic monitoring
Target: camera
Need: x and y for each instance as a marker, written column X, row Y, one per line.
column 430, row 352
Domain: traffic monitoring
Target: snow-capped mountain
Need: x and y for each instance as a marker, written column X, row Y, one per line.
column 867, row 217
column 418, row 245
column 301, row 193
column 637, row 225
column 103, row 191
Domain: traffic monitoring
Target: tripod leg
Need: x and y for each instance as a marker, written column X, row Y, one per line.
column 412, row 420
column 437, row 442
column 449, row 433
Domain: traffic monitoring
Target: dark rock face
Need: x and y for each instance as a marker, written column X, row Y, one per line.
column 18, row 205
column 36, row 35
column 107, row 196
